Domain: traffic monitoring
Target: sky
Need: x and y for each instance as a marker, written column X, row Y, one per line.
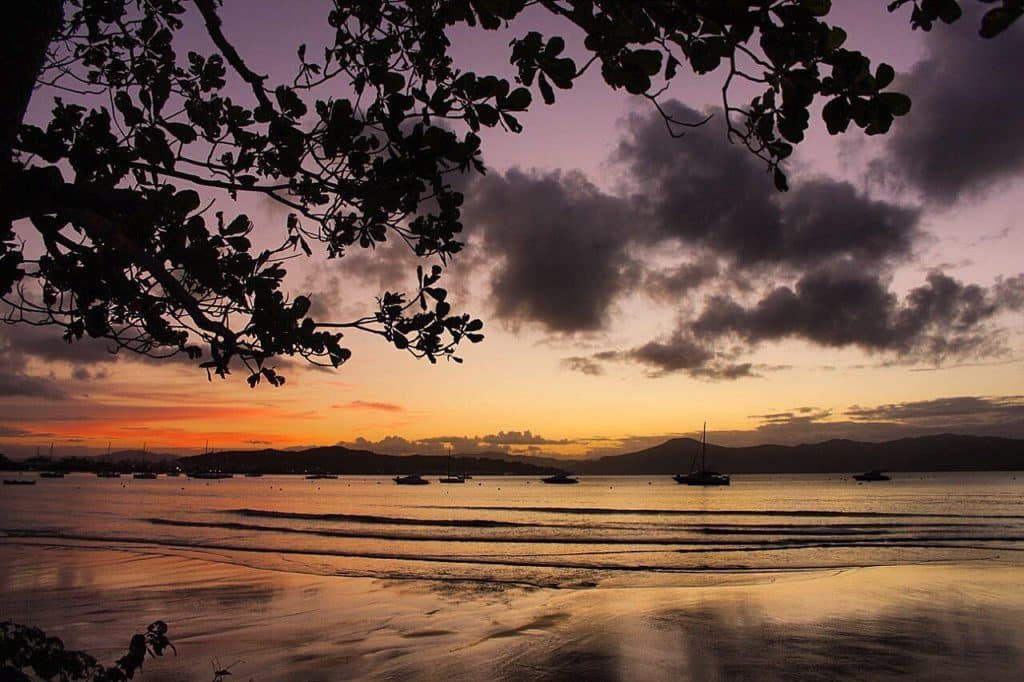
column 634, row 285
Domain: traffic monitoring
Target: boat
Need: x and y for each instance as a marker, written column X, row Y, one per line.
column 449, row 478
column 873, row 475
column 108, row 474
column 702, row 477
column 251, row 474
column 317, row 477
column 563, row 479
column 145, row 475
column 411, row 479
column 173, row 474
column 51, row 474
column 210, row 475
column 19, row 481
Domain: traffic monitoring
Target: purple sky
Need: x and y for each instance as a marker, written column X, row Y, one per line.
column 634, row 285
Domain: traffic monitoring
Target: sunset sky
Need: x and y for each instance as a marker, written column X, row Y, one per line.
column 633, row 285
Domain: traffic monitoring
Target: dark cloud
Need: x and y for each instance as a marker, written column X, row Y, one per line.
column 47, row 344
column 558, row 246
column 1001, row 416
column 369, row 405
column 680, row 280
column 681, row 352
column 520, row 438
column 18, row 384
column 845, row 306
column 963, row 135
column 974, row 408
column 503, row 441
column 839, row 305
column 9, row 432
column 561, row 252
column 703, row 191
column 583, row 365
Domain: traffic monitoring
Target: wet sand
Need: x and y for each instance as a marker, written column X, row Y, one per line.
column 946, row 620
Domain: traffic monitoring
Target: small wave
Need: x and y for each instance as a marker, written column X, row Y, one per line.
column 724, row 512
column 820, row 539
column 384, row 520
column 540, row 562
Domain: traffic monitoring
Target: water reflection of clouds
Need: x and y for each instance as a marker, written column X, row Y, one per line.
column 732, row 639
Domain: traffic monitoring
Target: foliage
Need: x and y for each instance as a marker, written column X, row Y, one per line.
column 359, row 147
column 28, row 648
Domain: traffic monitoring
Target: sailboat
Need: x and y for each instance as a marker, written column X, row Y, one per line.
column 449, row 478
column 873, row 475
column 702, row 477
column 411, row 479
column 560, row 479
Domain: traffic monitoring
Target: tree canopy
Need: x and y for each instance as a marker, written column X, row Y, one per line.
column 360, row 146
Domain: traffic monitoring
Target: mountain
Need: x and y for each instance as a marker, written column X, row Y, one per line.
column 134, row 457
column 341, row 460
column 945, row 452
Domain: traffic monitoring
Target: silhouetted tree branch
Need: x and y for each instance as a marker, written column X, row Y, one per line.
column 24, row 648
column 358, row 147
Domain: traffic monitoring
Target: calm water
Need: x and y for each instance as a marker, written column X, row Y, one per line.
column 517, row 530
column 509, row 579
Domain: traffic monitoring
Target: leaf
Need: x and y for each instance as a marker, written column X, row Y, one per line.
column 300, row 306
column 517, row 100
column 182, row 131
column 781, row 184
column 836, row 38
column 187, row 200
column 998, row 20
column 837, row 115
column 884, row 76
column 896, row 103
column 545, row 90
column 818, row 8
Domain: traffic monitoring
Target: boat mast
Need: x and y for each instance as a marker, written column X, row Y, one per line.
column 704, row 449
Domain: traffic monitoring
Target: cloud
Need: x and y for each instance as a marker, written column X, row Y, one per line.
column 46, row 344
column 11, row 432
column 680, row 280
column 837, row 306
column 983, row 409
column 705, row 192
column 583, row 365
column 845, row 306
column 558, row 245
column 502, row 441
column 18, row 384
column 962, row 136
column 520, row 438
column 698, row 215
column 369, row 405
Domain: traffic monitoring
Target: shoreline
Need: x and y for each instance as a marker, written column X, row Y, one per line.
column 296, row 625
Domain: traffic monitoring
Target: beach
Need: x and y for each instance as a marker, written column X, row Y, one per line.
column 533, row 602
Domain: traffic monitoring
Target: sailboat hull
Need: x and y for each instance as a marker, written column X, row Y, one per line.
column 702, row 478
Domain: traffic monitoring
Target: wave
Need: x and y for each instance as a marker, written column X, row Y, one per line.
column 816, row 539
column 724, row 512
column 489, row 523
column 538, row 562
column 388, row 520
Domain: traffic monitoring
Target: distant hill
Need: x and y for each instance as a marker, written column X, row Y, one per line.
column 341, row 460
column 945, row 452
column 134, row 457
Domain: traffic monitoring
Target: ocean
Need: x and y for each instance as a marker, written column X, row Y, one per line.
column 773, row 577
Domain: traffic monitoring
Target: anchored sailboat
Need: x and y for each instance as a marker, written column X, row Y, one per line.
column 702, row 477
